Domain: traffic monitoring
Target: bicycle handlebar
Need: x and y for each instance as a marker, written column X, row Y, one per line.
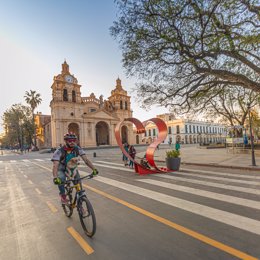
column 90, row 176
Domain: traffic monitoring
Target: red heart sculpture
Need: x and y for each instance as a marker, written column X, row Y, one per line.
column 140, row 128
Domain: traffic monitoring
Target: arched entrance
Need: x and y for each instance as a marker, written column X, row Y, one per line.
column 137, row 139
column 102, row 133
column 74, row 128
column 124, row 134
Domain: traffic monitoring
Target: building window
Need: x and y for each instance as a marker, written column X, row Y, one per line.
column 154, row 132
column 177, row 129
column 92, row 110
column 73, row 96
column 126, row 107
column 145, row 133
column 169, row 130
column 121, row 104
column 186, row 129
column 149, row 132
column 190, row 128
column 65, row 95
column 194, row 129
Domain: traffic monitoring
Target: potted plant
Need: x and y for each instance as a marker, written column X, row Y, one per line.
column 173, row 160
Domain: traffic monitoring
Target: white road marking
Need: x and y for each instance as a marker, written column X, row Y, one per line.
column 244, row 175
column 203, row 176
column 231, row 219
column 212, row 195
column 210, row 184
column 25, row 160
column 39, row 160
column 13, row 161
column 114, row 167
column 220, row 178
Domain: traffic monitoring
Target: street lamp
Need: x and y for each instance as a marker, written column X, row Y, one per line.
column 251, row 136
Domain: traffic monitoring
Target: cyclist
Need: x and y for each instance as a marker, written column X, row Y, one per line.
column 60, row 159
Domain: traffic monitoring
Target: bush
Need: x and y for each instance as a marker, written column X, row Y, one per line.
column 173, row 154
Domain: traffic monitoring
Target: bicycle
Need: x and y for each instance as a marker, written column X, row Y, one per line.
column 80, row 200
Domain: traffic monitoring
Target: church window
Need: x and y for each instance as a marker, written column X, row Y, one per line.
column 126, row 105
column 65, row 95
column 73, row 96
column 92, row 110
column 121, row 104
column 177, row 129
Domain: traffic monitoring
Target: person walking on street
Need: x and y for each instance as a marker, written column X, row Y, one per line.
column 177, row 146
column 125, row 159
column 132, row 153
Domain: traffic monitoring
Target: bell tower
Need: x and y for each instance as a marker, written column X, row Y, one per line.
column 65, row 87
column 120, row 101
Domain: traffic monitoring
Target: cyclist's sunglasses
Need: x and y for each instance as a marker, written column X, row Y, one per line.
column 71, row 140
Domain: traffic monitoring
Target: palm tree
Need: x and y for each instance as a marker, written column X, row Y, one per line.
column 33, row 99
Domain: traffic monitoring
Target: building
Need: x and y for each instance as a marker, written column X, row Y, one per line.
column 92, row 119
column 184, row 131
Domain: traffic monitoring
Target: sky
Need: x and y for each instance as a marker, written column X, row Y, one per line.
column 37, row 36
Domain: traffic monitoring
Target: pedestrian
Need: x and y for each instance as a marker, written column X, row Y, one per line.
column 125, row 159
column 132, row 153
column 177, row 146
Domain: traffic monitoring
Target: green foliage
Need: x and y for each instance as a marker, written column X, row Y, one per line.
column 173, row 154
column 18, row 125
column 182, row 48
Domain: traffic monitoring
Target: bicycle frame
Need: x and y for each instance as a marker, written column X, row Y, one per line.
column 77, row 187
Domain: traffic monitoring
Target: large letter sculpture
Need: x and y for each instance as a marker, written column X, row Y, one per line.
column 140, row 128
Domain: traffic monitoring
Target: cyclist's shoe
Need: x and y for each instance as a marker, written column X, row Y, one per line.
column 63, row 199
column 95, row 172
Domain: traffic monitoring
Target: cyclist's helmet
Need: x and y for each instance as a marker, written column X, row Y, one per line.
column 70, row 135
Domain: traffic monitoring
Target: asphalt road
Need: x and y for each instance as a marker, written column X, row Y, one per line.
column 198, row 213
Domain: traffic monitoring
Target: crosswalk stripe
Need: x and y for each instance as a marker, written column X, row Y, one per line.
column 231, row 219
column 1, row 161
column 114, row 167
column 205, row 176
column 212, row 195
column 13, row 161
column 25, row 160
column 210, row 184
column 206, row 183
column 245, row 176
column 38, row 160
column 220, row 178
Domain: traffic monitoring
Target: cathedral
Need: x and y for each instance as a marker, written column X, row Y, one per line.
column 92, row 119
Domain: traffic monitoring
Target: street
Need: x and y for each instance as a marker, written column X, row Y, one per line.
column 198, row 213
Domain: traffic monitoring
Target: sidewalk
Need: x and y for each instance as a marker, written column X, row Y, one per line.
column 220, row 157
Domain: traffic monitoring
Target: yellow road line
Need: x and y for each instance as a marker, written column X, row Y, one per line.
column 30, row 181
column 52, row 207
column 84, row 245
column 189, row 232
column 38, row 191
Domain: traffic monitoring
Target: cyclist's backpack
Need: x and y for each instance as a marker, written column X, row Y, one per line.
column 64, row 153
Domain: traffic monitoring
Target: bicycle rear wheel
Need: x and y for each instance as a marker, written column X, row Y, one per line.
column 87, row 216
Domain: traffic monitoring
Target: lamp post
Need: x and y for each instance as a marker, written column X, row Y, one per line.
column 251, row 136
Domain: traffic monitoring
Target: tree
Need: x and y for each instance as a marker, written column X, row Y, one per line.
column 33, row 99
column 183, row 48
column 18, row 125
column 229, row 105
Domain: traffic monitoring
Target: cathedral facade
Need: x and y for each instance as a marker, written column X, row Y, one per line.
column 92, row 119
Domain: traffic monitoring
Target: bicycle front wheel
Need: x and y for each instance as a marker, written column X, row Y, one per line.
column 87, row 216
